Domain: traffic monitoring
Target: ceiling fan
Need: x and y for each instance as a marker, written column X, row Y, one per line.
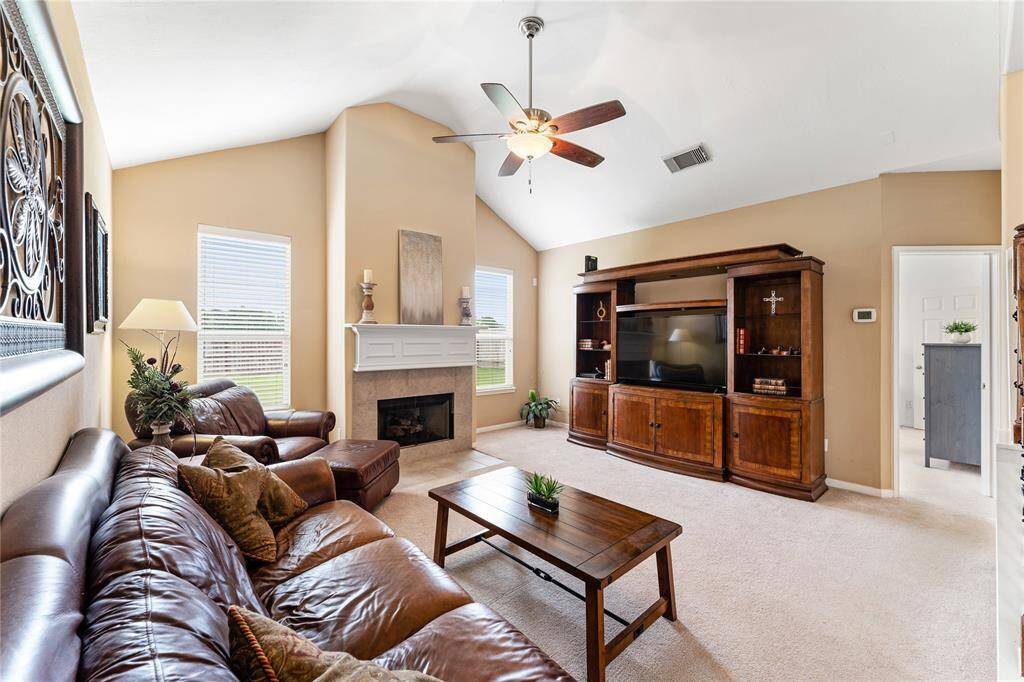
column 533, row 130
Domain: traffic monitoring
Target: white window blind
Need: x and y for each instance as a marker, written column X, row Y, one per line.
column 493, row 292
column 245, row 311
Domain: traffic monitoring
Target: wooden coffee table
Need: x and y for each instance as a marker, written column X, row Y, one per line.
column 591, row 538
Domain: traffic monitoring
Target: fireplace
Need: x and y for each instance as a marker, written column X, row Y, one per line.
column 416, row 420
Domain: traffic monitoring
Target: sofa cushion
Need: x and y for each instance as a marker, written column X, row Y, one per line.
column 366, row 600
column 233, row 500
column 322, row 533
column 356, row 463
column 277, row 503
column 264, row 650
column 151, row 524
column 473, row 643
column 297, row 447
column 235, row 410
column 153, row 625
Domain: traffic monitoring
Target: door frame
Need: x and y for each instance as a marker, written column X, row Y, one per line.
column 991, row 400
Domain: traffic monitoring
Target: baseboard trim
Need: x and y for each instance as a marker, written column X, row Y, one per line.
column 498, row 427
column 858, row 488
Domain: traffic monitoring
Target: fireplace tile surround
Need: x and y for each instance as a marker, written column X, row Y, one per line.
column 370, row 387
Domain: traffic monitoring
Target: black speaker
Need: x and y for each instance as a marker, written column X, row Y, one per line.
column 589, row 263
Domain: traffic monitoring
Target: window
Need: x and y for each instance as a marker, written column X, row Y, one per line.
column 493, row 290
column 245, row 311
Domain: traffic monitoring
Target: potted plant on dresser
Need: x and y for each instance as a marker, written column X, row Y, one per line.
column 536, row 410
column 960, row 331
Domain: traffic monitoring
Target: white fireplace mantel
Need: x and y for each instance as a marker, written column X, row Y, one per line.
column 412, row 346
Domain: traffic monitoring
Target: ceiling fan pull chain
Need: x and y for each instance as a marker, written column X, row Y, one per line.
column 529, row 174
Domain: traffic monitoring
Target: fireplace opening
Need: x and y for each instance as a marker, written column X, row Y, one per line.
column 416, row 420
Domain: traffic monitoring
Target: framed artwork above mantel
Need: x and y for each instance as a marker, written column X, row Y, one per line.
column 42, row 330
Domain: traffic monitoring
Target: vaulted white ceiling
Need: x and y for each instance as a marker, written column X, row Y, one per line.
column 787, row 97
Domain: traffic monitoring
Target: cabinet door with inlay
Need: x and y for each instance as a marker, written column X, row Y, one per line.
column 765, row 440
column 589, row 410
column 632, row 420
column 686, row 429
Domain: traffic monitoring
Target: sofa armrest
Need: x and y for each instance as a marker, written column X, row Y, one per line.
column 262, row 448
column 310, row 477
column 313, row 423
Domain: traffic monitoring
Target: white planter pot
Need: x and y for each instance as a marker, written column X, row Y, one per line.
column 960, row 337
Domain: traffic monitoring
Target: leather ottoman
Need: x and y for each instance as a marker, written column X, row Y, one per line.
column 365, row 471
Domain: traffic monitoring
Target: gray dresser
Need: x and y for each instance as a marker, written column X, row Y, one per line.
column 952, row 402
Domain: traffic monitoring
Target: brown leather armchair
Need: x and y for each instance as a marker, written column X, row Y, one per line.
column 222, row 408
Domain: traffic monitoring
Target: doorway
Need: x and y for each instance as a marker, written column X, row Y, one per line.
column 934, row 374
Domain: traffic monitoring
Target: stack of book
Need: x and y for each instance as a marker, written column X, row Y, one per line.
column 767, row 386
column 587, row 344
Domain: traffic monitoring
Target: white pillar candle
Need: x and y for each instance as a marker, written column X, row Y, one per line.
column 367, row 275
column 465, row 292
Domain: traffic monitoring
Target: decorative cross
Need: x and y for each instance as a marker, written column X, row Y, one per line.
column 773, row 299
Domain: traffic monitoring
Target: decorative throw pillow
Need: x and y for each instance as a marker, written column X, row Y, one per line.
column 231, row 499
column 278, row 503
column 263, row 650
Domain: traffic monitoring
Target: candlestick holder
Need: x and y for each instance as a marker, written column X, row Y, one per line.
column 367, row 317
column 467, row 312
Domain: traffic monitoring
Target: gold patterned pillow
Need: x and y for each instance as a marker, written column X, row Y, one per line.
column 278, row 503
column 263, row 650
column 232, row 499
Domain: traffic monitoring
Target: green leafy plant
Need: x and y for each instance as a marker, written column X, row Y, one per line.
column 158, row 397
column 545, row 486
column 537, row 407
column 960, row 327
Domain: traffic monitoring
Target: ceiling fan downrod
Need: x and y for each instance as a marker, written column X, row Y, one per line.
column 531, row 26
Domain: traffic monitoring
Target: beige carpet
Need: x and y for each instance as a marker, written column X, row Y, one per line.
column 850, row 587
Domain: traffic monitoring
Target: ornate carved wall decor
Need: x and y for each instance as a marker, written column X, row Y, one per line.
column 34, row 287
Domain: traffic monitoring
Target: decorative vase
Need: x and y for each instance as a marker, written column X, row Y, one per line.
column 535, row 500
column 961, row 337
column 161, row 434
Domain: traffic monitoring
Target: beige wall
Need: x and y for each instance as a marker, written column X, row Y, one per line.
column 498, row 245
column 33, row 436
column 277, row 188
column 1011, row 110
column 852, row 228
column 385, row 174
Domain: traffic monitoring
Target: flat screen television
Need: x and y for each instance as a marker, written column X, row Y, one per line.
column 677, row 348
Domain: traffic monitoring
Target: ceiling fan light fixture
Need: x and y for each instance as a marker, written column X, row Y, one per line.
column 529, row 145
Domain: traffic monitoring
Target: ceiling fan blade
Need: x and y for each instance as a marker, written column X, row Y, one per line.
column 478, row 137
column 588, row 117
column 506, row 103
column 575, row 153
column 510, row 165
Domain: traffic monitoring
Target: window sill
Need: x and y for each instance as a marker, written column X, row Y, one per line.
column 492, row 390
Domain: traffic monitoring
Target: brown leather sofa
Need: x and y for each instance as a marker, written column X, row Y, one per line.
column 108, row 570
column 222, row 408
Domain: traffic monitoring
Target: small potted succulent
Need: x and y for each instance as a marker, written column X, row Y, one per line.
column 158, row 398
column 960, row 331
column 543, row 492
column 535, row 411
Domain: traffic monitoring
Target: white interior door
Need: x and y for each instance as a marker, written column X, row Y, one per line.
column 933, row 311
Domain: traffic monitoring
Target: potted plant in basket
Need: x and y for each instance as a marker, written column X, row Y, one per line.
column 960, row 331
column 543, row 492
column 158, row 397
column 535, row 411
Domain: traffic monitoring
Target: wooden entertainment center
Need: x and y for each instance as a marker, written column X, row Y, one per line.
column 769, row 439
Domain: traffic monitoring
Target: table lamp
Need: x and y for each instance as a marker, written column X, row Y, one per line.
column 161, row 316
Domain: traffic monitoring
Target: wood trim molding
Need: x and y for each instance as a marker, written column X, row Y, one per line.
column 412, row 346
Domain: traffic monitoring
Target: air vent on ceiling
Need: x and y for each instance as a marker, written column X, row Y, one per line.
column 690, row 157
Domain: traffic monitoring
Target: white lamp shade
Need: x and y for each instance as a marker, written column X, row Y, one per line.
column 161, row 315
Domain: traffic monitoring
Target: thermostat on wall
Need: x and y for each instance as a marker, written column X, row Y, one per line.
column 865, row 314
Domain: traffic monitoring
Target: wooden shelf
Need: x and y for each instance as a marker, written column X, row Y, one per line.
column 691, row 266
column 672, row 305
column 595, row 350
column 765, row 355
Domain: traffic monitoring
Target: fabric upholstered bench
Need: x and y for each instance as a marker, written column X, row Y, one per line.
column 365, row 471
